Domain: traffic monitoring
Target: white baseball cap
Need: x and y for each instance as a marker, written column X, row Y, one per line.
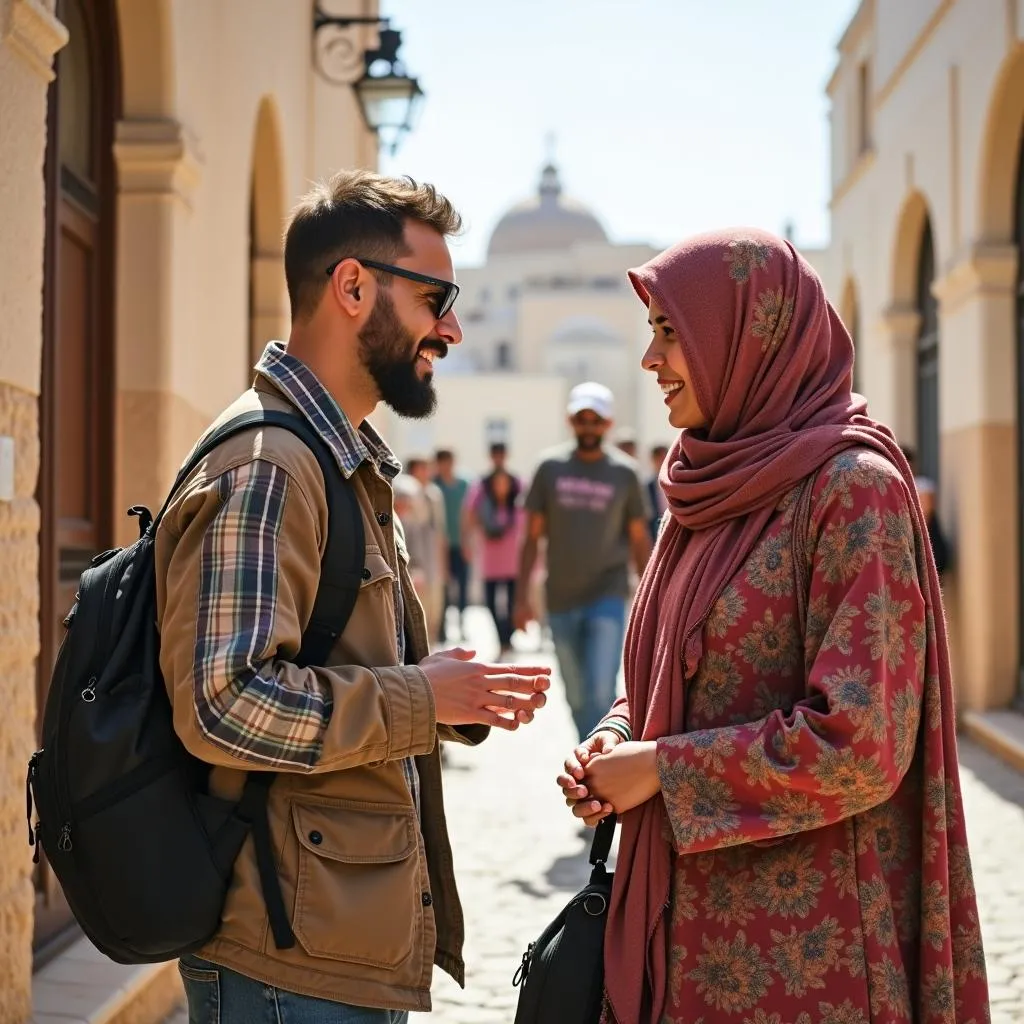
column 593, row 396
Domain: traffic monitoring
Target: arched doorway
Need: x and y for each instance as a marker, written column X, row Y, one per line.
column 851, row 318
column 77, row 394
column 927, row 388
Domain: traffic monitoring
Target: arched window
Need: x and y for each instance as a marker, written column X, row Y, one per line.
column 927, row 360
column 851, row 317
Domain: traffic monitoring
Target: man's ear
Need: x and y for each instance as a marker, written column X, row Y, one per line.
column 350, row 287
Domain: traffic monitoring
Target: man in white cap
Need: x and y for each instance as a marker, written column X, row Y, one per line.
column 589, row 502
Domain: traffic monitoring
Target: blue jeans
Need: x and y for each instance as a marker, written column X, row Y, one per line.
column 588, row 642
column 217, row 995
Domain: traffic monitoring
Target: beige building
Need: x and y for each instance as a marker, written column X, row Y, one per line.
column 927, row 222
column 149, row 153
column 549, row 308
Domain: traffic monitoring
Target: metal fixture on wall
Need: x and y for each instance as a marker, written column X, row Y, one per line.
column 388, row 96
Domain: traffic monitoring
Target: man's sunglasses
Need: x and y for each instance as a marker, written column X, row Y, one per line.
column 443, row 299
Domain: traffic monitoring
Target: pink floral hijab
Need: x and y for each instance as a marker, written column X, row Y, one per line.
column 771, row 365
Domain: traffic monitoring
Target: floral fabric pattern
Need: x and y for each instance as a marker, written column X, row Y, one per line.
column 773, row 313
column 816, row 878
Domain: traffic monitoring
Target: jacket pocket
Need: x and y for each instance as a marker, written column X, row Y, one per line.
column 356, row 896
column 375, row 569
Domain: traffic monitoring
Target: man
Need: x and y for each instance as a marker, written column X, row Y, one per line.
column 655, row 495
column 356, row 814
column 454, row 488
column 434, row 558
column 589, row 504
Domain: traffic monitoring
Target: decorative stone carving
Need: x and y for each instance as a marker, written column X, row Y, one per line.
column 35, row 34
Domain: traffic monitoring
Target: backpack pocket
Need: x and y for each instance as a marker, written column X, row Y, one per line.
column 139, row 846
column 357, row 891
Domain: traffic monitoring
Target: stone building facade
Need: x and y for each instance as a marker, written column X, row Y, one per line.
column 149, row 153
column 927, row 222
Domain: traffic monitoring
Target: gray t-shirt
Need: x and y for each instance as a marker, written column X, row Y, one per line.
column 588, row 506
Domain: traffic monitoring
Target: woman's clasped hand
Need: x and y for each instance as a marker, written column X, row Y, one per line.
column 607, row 774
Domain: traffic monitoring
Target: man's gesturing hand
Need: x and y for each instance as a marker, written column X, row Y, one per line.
column 469, row 692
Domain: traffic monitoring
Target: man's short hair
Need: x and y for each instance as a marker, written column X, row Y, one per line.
column 444, row 455
column 499, row 448
column 659, row 451
column 414, row 462
column 360, row 214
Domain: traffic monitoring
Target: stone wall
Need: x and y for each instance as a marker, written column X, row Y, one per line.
column 29, row 37
column 19, row 645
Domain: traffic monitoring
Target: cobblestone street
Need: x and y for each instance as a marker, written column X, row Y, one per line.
column 519, row 857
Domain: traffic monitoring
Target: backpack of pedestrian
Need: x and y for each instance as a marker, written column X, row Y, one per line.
column 143, row 852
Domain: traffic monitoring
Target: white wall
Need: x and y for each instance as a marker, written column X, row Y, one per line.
column 533, row 405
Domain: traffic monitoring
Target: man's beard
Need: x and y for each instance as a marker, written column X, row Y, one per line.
column 587, row 442
column 389, row 353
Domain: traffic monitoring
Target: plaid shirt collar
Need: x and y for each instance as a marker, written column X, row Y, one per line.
column 298, row 383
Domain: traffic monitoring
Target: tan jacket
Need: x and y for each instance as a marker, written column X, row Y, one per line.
column 370, row 886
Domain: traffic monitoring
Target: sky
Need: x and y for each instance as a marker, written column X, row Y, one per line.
column 668, row 116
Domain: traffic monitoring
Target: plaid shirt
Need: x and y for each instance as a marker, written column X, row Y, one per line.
column 258, row 719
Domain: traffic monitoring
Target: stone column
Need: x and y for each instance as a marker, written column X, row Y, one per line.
column 979, row 500
column 30, row 35
column 271, row 316
column 900, row 324
column 157, row 169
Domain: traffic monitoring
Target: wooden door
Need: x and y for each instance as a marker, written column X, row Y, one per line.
column 77, row 396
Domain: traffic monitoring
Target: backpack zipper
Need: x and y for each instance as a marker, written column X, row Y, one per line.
column 66, row 708
column 33, row 830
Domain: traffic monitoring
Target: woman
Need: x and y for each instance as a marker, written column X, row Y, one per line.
column 793, row 847
column 495, row 516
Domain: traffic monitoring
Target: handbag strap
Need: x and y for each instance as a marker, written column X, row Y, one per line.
column 602, row 845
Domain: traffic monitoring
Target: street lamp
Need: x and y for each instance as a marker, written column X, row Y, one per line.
column 388, row 96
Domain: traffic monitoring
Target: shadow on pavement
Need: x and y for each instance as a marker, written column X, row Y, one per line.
column 991, row 771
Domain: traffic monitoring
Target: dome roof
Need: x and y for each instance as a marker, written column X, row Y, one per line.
column 548, row 221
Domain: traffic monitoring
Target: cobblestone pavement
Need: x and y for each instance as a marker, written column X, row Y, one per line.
column 519, row 857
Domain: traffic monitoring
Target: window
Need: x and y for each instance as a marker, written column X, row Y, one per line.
column 927, row 360
column 503, row 356
column 863, row 108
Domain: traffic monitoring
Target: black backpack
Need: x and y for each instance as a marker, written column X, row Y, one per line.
column 562, row 973
column 143, row 851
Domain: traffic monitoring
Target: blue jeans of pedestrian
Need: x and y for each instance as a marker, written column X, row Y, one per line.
column 217, row 995
column 588, row 643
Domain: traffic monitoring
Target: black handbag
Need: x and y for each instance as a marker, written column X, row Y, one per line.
column 562, row 973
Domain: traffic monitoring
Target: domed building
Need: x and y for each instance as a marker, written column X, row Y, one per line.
column 549, row 308
column 546, row 223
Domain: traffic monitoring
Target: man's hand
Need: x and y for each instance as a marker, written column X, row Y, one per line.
column 618, row 780
column 576, row 794
column 468, row 692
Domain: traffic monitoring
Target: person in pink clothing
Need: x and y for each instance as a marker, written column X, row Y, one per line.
column 494, row 519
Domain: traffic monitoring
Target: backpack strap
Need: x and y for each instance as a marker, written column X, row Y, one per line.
column 341, row 571
column 341, row 567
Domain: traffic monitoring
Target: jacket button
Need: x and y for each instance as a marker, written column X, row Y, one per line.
column 366, row 574
column 315, row 838
column 383, row 518
column 427, row 899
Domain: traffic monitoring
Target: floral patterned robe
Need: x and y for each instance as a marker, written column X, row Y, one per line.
column 809, row 881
